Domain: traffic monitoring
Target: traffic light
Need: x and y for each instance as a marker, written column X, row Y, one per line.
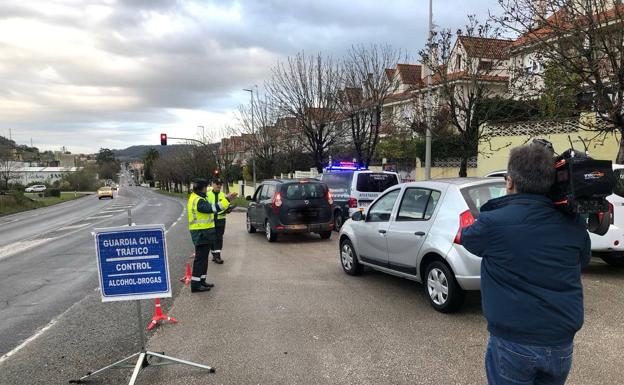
column 216, row 173
column 163, row 139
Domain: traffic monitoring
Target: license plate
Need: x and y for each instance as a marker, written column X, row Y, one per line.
column 365, row 204
column 298, row 227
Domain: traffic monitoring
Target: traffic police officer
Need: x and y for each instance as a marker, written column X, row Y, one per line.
column 201, row 218
column 216, row 195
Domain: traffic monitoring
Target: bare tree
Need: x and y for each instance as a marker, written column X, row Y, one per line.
column 262, row 140
column 8, row 166
column 584, row 40
column 366, row 87
column 305, row 87
column 224, row 149
column 469, row 71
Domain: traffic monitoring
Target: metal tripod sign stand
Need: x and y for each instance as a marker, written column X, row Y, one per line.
column 132, row 265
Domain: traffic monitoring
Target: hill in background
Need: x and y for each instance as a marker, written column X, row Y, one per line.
column 136, row 152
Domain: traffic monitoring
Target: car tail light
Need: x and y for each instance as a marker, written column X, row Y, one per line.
column 352, row 203
column 330, row 198
column 277, row 202
column 611, row 214
column 465, row 219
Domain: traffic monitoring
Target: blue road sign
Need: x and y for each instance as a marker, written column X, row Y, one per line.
column 132, row 263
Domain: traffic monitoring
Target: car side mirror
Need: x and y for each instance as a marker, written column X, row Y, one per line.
column 358, row 216
column 248, row 197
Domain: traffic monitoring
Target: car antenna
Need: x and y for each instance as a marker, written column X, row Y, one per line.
column 571, row 146
column 584, row 145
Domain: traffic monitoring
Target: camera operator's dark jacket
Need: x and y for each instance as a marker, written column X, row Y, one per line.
column 531, row 269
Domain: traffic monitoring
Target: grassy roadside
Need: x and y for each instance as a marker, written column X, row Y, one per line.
column 240, row 202
column 11, row 204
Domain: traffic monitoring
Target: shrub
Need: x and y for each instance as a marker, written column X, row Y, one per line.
column 53, row 192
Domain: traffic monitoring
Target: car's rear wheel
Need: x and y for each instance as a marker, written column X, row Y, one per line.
column 250, row 228
column 271, row 235
column 443, row 291
column 338, row 221
column 325, row 234
column 613, row 259
column 348, row 259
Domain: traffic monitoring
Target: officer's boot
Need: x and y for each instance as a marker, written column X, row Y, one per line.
column 197, row 287
column 216, row 257
column 203, row 282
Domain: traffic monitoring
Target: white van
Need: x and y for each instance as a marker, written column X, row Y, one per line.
column 354, row 188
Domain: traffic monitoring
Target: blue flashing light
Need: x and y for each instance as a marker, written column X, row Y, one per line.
column 345, row 166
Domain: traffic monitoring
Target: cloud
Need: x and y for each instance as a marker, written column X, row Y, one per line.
column 94, row 73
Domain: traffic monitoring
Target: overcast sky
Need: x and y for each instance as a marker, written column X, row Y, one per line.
column 104, row 73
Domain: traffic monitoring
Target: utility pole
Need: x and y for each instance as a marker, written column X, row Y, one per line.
column 429, row 101
column 253, row 132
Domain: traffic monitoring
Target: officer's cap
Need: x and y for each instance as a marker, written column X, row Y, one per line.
column 200, row 183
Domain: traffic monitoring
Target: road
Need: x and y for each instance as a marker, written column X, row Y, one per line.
column 285, row 313
column 47, row 261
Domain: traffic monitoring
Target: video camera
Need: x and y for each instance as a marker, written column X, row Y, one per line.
column 582, row 185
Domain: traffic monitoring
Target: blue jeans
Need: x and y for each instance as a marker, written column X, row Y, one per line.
column 509, row 363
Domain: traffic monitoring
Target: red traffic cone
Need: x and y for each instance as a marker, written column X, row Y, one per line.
column 187, row 277
column 159, row 316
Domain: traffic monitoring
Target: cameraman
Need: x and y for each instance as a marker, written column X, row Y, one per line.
column 531, row 289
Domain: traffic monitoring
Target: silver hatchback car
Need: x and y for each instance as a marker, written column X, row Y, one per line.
column 412, row 231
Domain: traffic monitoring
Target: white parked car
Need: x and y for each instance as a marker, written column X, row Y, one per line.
column 36, row 188
column 411, row 231
column 610, row 247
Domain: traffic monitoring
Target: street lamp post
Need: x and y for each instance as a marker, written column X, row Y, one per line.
column 253, row 131
column 429, row 101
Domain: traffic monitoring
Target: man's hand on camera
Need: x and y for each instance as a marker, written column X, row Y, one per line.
column 231, row 196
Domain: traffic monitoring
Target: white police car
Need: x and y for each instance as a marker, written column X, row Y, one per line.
column 353, row 188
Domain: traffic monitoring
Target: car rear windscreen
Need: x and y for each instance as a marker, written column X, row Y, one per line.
column 300, row 191
column 375, row 182
column 619, row 182
column 338, row 182
column 477, row 196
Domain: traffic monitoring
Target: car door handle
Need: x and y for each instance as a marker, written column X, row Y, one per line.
column 420, row 233
column 382, row 231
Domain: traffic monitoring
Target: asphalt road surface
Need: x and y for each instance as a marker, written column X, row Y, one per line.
column 48, row 268
column 285, row 313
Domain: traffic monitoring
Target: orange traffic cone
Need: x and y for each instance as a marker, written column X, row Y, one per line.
column 187, row 277
column 159, row 316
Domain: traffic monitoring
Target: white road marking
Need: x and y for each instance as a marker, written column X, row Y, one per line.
column 28, row 340
column 72, row 227
column 176, row 222
column 17, row 247
column 99, row 217
column 113, row 210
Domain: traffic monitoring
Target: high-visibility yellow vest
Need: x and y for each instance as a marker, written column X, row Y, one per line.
column 224, row 202
column 197, row 220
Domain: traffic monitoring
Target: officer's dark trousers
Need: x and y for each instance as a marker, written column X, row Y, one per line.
column 218, row 243
column 200, row 263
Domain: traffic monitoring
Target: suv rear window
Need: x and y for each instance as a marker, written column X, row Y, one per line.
column 619, row 182
column 338, row 182
column 375, row 182
column 477, row 196
column 299, row 191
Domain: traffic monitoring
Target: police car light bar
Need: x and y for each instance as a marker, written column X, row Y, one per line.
column 347, row 166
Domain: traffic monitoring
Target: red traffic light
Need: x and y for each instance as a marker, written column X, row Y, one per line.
column 163, row 139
